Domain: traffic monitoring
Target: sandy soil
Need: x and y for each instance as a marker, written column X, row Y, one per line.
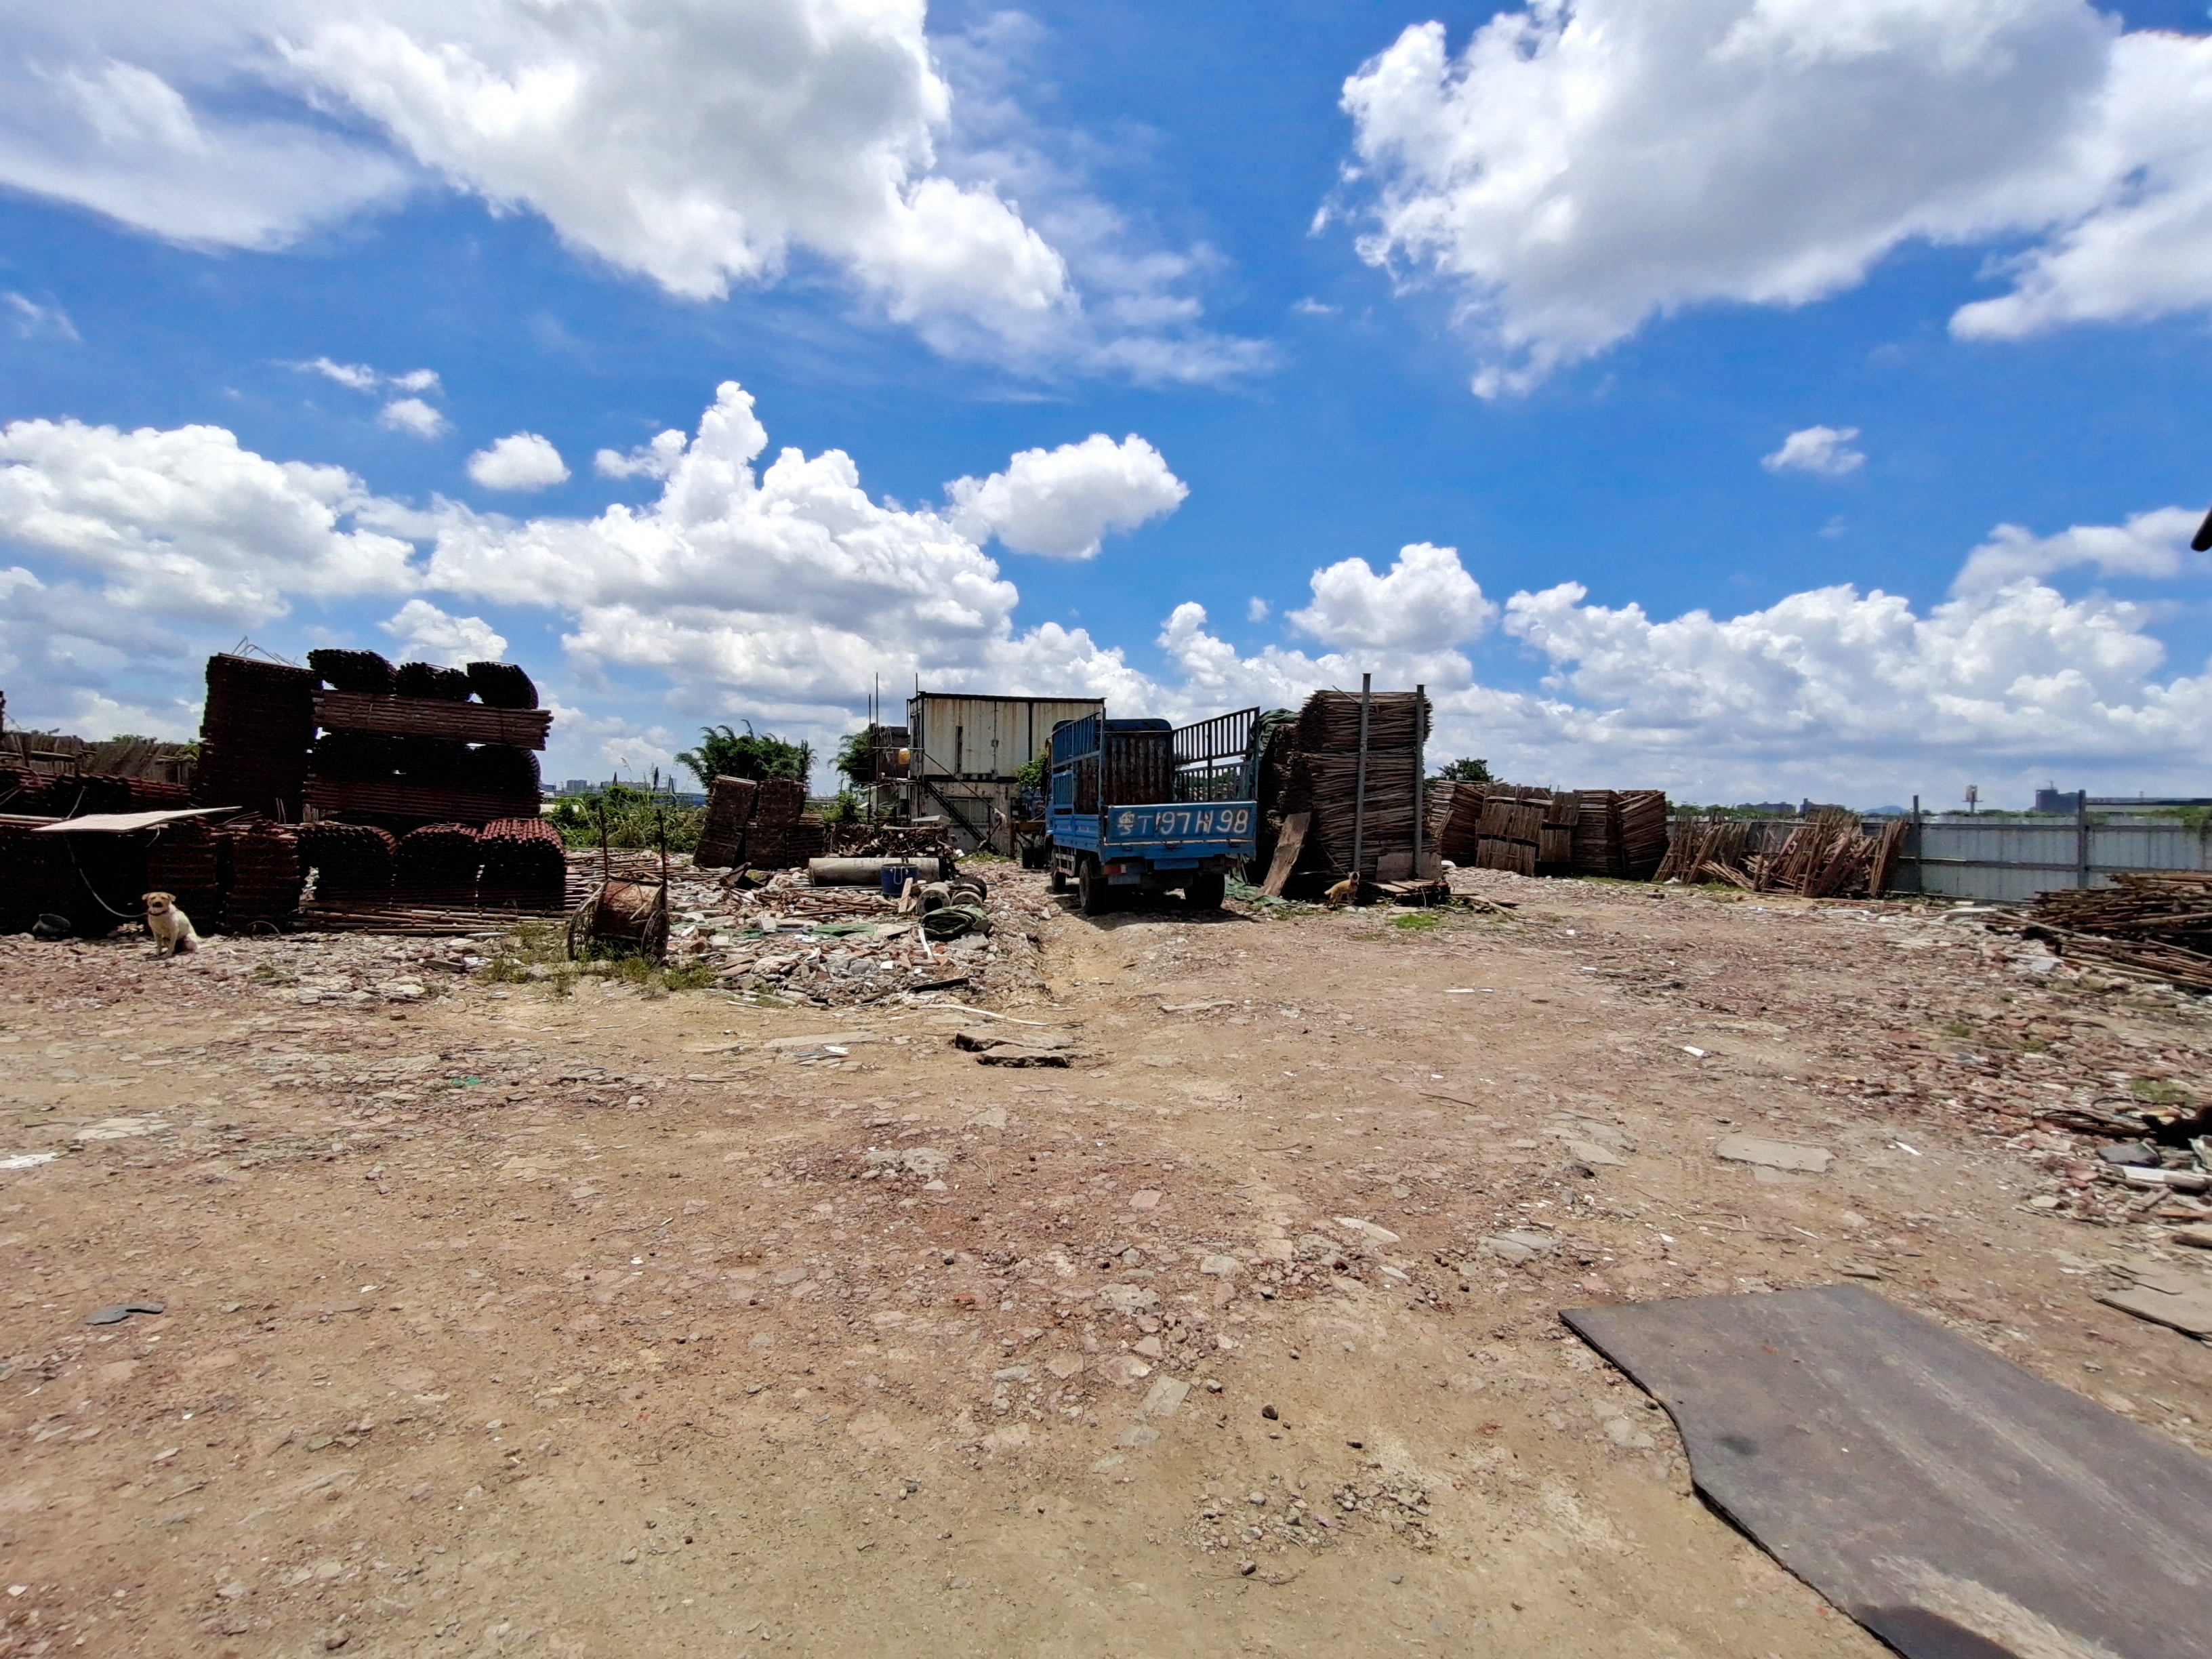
column 503, row 1321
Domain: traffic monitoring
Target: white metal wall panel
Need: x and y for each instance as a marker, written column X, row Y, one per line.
column 2005, row 862
column 985, row 737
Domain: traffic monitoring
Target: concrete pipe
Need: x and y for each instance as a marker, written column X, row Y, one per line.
column 864, row 873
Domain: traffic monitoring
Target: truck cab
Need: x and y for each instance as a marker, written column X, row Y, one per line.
column 1139, row 806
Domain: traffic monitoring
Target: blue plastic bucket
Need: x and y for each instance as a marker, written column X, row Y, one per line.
column 895, row 877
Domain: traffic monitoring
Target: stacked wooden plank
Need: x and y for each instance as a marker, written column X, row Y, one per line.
column 1597, row 834
column 1325, row 771
column 254, row 732
column 1454, row 823
column 1555, row 842
column 1643, row 832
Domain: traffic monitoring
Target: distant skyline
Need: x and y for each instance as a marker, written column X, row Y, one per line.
column 1745, row 398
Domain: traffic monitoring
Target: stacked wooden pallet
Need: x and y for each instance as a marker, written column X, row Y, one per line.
column 762, row 822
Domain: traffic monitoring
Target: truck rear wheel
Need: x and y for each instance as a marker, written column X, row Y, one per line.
column 1092, row 893
column 1057, row 881
column 1206, row 892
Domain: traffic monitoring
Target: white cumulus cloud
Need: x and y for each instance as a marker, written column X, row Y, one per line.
column 654, row 460
column 1424, row 602
column 1824, row 450
column 426, row 634
column 1063, row 503
column 1581, row 166
column 188, row 524
column 413, row 417
column 699, row 146
column 781, row 589
column 520, row 461
column 2154, row 545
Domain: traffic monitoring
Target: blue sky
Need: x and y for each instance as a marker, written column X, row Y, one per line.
column 1316, row 403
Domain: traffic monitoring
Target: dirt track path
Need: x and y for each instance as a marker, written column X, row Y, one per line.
column 596, row 1326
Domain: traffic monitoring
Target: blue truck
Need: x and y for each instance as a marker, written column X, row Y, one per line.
column 1139, row 806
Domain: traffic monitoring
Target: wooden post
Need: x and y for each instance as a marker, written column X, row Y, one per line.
column 2080, row 838
column 1420, row 785
column 1359, row 785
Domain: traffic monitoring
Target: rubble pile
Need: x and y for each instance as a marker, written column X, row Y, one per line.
column 788, row 939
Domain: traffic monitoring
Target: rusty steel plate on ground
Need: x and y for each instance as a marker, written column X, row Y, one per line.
column 1957, row 1505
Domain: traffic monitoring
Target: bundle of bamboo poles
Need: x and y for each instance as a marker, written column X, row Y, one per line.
column 1373, row 801
column 1829, row 855
column 2151, row 922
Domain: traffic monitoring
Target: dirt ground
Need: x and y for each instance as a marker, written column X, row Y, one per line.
column 505, row 1322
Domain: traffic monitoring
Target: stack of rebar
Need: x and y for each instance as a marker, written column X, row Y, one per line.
column 406, row 747
column 501, row 685
column 431, row 681
column 524, row 863
column 350, row 861
column 438, row 862
column 258, row 722
column 785, row 845
column 501, row 769
column 781, row 836
column 261, row 875
column 181, row 859
column 364, row 671
column 36, row 878
column 24, row 792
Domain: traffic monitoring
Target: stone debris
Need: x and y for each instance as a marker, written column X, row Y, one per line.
column 1367, row 1230
column 1013, row 1054
column 1774, row 1154
column 1521, row 1246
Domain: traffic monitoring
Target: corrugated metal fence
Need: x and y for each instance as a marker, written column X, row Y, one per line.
column 2006, row 860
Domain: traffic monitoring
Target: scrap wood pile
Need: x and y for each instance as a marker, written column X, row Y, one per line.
column 1829, row 855
column 2156, row 922
column 1545, row 832
column 891, row 841
column 762, row 823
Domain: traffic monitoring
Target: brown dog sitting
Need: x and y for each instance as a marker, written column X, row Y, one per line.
column 171, row 928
